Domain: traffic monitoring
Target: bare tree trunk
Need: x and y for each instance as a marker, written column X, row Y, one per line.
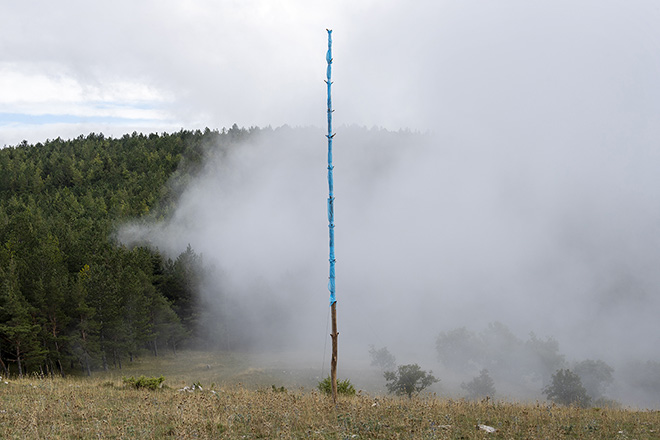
column 18, row 361
column 57, row 349
column 4, row 367
column 104, row 358
column 87, row 366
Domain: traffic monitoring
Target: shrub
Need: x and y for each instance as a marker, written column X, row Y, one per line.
column 150, row 383
column 343, row 387
column 278, row 390
column 566, row 389
column 408, row 379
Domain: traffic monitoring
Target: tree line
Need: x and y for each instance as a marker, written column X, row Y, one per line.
column 495, row 362
column 495, row 356
column 72, row 299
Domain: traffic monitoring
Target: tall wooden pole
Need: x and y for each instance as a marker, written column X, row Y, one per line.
column 331, row 225
column 333, row 361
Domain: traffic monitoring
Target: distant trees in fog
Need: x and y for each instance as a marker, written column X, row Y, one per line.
column 596, row 376
column 499, row 351
column 642, row 380
column 480, row 387
column 382, row 358
column 496, row 355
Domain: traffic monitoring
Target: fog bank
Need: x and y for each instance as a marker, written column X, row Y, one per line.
column 433, row 233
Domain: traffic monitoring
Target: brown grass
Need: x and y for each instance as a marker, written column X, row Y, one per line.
column 93, row 408
column 241, row 401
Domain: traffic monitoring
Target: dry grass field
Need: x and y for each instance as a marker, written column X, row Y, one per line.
column 105, row 407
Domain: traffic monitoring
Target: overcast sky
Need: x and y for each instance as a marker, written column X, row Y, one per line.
column 470, row 67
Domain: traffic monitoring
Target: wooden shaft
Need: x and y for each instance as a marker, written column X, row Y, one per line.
column 333, row 361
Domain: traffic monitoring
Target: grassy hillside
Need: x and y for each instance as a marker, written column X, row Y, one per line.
column 238, row 401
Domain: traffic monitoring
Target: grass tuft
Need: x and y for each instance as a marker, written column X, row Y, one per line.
column 344, row 387
column 143, row 382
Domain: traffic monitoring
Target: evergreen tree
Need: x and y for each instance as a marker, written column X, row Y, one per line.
column 566, row 389
column 84, row 329
column 17, row 328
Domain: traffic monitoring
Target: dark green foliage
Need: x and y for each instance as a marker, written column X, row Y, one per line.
column 278, row 390
column 19, row 332
column 344, row 387
column 408, row 380
column 150, row 383
column 480, row 387
column 566, row 389
column 70, row 296
column 179, row 283
column 382, row 358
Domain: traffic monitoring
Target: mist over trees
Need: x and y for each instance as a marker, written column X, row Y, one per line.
column 480, row 387
column 498, row 350
column 496, row 359
column 382, row 358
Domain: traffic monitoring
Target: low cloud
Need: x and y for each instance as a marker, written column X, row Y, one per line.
column 431, row 235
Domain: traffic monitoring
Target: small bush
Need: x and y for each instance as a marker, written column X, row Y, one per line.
column 278, row 390
column 344, row 387
column 150, row 383
column 408, row 380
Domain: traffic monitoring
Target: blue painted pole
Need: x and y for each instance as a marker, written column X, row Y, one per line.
column 331, row 225
column 331, row 196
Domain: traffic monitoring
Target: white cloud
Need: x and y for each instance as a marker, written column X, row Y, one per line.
column 548, row 65
column 40, row 89
column 20, row 88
